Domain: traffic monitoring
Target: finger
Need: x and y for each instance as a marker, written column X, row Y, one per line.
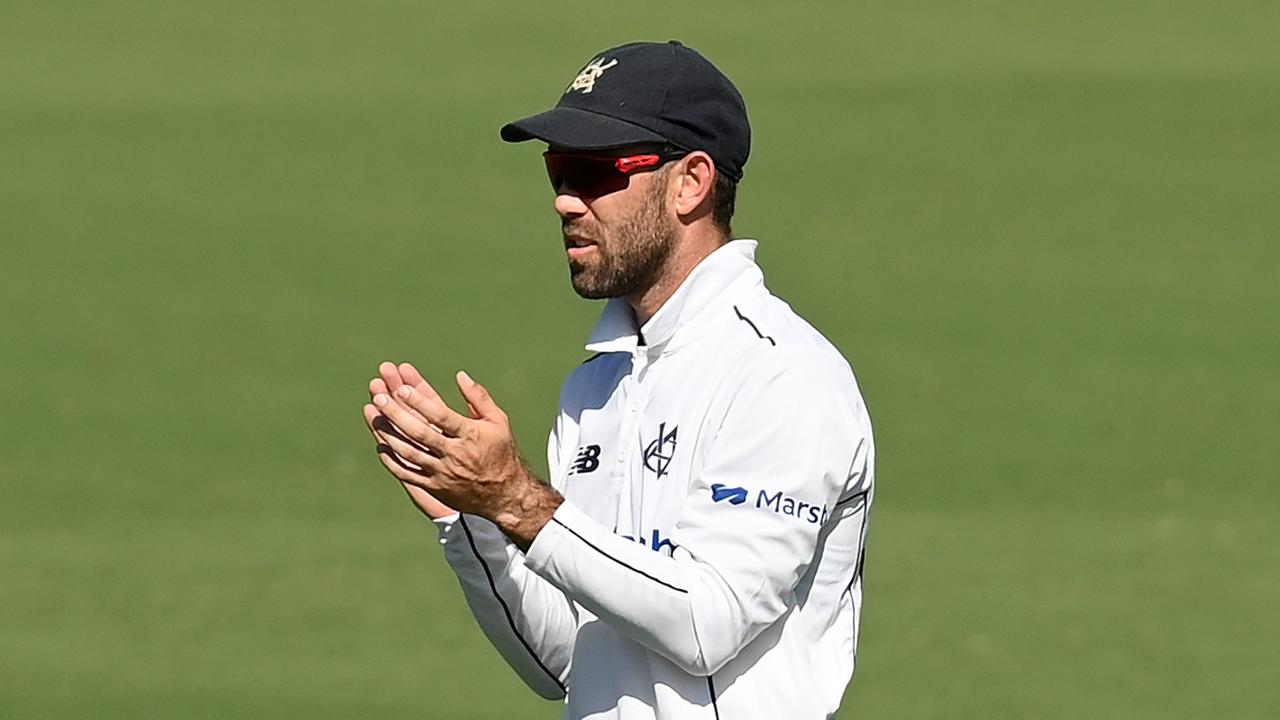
column 378, row 424
column 420, row 486
column 379, row 428
column 481, row 402
column 434, row 410
column 400, row 469
column 389, row 380
column 370, row 415
column 385, row 448
column 390, row 375
column 414, row 455
column 382, row 428
column 410, row 375
column 413, row 423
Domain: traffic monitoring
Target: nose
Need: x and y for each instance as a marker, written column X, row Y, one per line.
column 569, row 205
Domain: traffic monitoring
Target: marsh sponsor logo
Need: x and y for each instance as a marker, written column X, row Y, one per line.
column 735, row 495
column 786, row 505
column 778, row 502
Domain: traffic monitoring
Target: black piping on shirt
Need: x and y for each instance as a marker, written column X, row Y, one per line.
column 857, row 571
column 711, row 686
column 623, row 564
column 506, row 610
column 747, row 320
column 851, row 498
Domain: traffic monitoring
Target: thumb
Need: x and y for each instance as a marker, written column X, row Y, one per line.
column 482, row 404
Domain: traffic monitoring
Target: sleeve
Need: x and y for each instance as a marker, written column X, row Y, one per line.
column 527, row 619
column 782, row 458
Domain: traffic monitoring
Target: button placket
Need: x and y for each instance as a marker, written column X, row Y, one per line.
column 631, row 403
column 637, row 407
column 626, row 425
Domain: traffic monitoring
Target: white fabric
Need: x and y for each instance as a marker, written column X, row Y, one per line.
column 718, row 470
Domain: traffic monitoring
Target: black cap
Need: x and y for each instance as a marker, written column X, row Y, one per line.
column 647, row 93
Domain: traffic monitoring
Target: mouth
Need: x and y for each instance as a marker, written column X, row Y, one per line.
column 577, row 246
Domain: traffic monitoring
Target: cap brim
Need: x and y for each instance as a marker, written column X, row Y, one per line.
column 579, row 129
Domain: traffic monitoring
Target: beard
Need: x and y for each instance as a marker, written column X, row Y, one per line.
column 629, row 259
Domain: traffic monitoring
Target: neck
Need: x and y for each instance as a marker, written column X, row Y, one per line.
column 688, row 253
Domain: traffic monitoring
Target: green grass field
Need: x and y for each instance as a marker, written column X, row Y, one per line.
column 1045, row 235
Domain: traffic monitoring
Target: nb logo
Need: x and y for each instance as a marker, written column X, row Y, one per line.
column 588, row 460
column 586, row 80
column 735, row 495
column 657, row 456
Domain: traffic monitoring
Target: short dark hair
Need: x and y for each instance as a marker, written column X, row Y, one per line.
column 723, row 194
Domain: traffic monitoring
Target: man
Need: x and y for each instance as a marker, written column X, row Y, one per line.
column 698, row 553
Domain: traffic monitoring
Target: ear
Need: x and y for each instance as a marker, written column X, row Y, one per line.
column 693, row 179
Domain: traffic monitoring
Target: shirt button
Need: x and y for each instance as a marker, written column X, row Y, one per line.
column 622, row 457
column 635, row 406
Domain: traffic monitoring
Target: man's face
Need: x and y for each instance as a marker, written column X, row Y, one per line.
column 618, row 234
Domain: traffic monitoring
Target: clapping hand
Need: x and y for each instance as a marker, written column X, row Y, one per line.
column 449, row 462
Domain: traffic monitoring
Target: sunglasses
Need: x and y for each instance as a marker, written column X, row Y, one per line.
column 595, row 175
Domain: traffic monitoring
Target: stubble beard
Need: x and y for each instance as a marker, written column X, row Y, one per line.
column 630, row 259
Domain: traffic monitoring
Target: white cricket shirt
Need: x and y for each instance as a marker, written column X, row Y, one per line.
column 718, row 471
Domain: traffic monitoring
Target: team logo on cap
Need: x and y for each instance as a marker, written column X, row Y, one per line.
column 586, row 80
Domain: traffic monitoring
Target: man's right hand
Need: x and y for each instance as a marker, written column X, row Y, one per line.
column 391, row 377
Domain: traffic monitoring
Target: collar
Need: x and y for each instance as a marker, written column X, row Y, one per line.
column 730, row 264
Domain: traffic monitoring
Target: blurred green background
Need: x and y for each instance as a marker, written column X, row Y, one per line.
column 1044, row 234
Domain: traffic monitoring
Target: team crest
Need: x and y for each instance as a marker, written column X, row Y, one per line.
column 657, row 456
column 586, row 80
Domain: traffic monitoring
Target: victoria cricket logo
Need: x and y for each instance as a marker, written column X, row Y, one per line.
column 588, row 460
column 586, row 80
column 659, row 453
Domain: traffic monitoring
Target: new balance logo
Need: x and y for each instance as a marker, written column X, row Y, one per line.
column 588, row 460
column 735, row 495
